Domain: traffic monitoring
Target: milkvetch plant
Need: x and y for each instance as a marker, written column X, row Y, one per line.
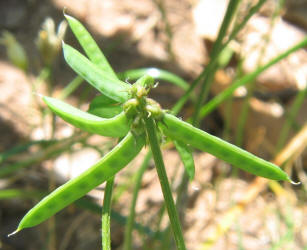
column 125, row 111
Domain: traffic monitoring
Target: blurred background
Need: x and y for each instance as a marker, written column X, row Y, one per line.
column 223, row 207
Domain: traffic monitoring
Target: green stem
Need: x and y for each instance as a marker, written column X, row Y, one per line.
column 168, row 30
column 182, row 196
column 228, row 116
column 290, row 118
column 231, row 9
column 251, row 87
column 242, row 24
column 106, row 215
column 207, row 76
column 71, row 87
column 178, row 106
column 214, row 55
column 169, row 201
column 52, row 150
column 130, row 221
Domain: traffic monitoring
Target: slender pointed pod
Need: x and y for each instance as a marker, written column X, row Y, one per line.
column 90, row 46
column 117, row 126
column 109, row 86
column 108, row 166
column 186, row 133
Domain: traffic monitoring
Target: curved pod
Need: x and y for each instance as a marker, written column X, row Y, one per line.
column 89, row 45
column 108, row 166
column 107, row 85
column 118, row 126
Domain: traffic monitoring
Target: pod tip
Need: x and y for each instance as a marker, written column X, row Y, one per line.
column 64, row 11
column 38, row 94
column 295, row 183
column 15, row 232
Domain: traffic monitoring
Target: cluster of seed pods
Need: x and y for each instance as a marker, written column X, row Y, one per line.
column 128, row 125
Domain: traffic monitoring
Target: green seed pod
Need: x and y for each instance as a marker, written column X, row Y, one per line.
column 90, row 46
column 116, row 126
column 107, row 167
column 186, row 133
column 106, row 84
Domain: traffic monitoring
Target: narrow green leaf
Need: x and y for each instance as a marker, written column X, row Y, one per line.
column 20, row 194
column 156, row 73
column 227, row 93
column 22, row 148
column 186, row 156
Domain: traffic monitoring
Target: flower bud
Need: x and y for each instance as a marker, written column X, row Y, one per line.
column 49, row 42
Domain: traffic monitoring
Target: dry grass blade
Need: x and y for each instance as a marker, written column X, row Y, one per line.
column 294, row 148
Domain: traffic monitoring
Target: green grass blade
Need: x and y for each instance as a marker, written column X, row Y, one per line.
column 113, row 88
column 55, row 148
column 90, row 46
column 91, row 206
column 227, row 93
column 22, row 148
column 180, row 103
column 71, row 87
column 20, row 194
column 131, row 219
column 214, row 56
column 158, row 74
column 290, row 118
column 241, row 25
